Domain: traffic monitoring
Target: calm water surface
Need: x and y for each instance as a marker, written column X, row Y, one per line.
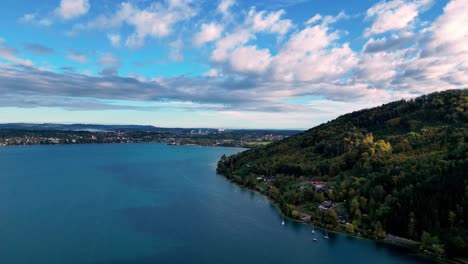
column 150, row 203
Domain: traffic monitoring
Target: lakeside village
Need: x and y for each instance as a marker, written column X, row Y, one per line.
column 266, row 186
column 327, row 214
column 207, row 137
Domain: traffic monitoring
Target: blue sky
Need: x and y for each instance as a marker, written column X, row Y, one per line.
column 227, row 63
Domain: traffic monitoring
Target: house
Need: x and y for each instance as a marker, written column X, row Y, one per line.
column 325, row 205
column 305, row 217
column 319, row 185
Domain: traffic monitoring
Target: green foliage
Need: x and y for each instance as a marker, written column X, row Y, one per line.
column 350, row 228
column 400, row 168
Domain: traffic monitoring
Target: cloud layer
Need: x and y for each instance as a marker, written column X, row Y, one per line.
column 303, row 65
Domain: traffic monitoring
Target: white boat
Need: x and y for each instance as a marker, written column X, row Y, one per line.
column 326, row 234
column 315, row 237
column 282, row 222
column 313, row 229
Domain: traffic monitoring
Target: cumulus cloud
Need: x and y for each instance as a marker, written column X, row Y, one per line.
column 327, row 19
column 227, row 44
column 208, row 32
column 249, row 59
column 225, row 5
column 67, row 10
column 443, row 61
column 450, row 31
column 124, row 11
column 392, row 43
column 268, row 22
column 156, row 20
column 395, row 15
column 315, row 45
column 70, row 9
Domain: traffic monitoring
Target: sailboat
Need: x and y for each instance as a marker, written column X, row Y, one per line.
column 315, row 237
column 313, row 229
column 282, row 221
column 326, row 234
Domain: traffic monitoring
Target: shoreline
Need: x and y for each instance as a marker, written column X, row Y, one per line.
column 120, row 143
column 412, row 249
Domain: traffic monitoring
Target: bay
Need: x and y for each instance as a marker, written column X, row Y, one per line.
column 151, row 203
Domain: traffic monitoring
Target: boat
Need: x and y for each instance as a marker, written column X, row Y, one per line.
column 282, row 222
column 313, row 229
column 315, row 237
column 326, row 234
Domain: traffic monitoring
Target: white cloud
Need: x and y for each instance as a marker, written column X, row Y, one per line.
column 450, row 31
column 156, row 20
column 314, row 19
column 327, row 19
column 123, row 13
column 248, row 59
column 79, row 57
column 208, row 32
column 227, row 44
column 297, row 59
column 114, row 39
column 109, row 60
column 392, row 43
column 312, row 59
column 377, row 69
column 9, row 54
column 443, row 61
column 212, row 73
column 34, row 19
column 225, row 5
column 268, row 22
column 395, row 15
column 69, row 9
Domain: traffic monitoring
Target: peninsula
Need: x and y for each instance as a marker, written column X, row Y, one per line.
column 398, row 170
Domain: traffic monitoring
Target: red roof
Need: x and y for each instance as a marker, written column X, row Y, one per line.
column 318, row 182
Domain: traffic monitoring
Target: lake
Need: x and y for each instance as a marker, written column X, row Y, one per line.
column 150, row 203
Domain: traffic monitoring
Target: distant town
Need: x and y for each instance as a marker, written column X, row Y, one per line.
column 46, row 134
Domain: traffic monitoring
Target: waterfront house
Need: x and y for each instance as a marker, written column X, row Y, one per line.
column 319, row 185
column 325, row 205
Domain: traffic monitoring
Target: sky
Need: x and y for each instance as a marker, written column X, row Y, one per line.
column 285, row 64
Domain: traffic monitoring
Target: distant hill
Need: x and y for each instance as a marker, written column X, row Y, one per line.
column 401, row 168
column 76, row 127
column 136, row 128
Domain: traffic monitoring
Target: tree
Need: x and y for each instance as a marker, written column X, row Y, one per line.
column 411, row 225
column 350, row 228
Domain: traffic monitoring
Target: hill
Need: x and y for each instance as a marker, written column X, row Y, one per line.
column 399, row 169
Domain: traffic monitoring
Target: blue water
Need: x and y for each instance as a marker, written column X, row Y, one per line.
column 150, row 203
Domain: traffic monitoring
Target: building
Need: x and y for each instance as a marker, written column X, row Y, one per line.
column 319, row 185
column 325, row 205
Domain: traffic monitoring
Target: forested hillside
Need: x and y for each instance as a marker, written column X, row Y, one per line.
column 399, row 169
